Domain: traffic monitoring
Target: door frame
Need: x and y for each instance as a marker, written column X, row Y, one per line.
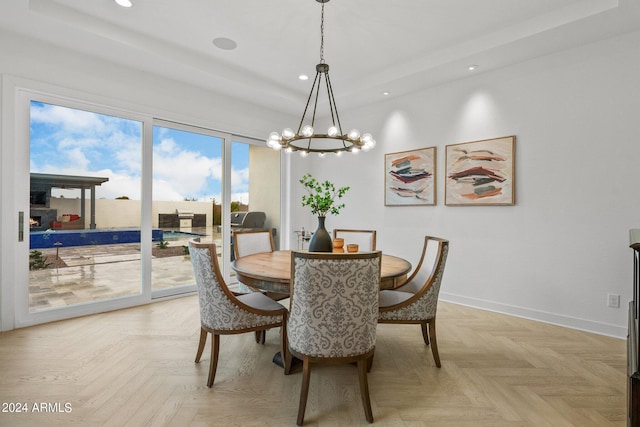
column 226, row 199
column 14, row 189
column 17, row 252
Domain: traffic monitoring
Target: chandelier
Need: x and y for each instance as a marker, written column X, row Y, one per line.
column 305, row 140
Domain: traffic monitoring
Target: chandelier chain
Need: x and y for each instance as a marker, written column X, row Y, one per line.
column 322, row 35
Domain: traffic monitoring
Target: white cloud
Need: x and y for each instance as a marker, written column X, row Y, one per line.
column 240, row 179
column 76, row 157
column 68, row 120
column 186, row 171
column 74, row 142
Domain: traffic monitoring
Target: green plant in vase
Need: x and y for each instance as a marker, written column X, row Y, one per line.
column 322, row 198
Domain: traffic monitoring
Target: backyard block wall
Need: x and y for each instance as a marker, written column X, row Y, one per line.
column 126, row 213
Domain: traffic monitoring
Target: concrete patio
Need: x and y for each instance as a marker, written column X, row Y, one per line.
column 106, row 271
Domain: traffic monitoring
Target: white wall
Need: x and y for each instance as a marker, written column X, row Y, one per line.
column 138, row 91
column 264, row 185
column 556, row 254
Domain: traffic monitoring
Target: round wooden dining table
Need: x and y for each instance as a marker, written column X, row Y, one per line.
column 271, row 271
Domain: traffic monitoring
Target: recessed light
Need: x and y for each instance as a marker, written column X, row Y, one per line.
column 473, row 67
column 124, row 3
column 224, row 43
column 385, row 93
column 303, row 77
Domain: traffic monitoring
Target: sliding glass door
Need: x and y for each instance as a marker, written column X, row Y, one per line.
column 188, row 174
column 84, row 206
column 191, row 185
column 108, row 199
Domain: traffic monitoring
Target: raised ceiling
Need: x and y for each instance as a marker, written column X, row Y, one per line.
column 372, row 46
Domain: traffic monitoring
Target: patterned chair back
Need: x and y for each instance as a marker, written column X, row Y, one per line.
column 424, row 283
column 219, row 308
column 334, row 303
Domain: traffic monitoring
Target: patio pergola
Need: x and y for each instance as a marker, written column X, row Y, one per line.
column 42, row 182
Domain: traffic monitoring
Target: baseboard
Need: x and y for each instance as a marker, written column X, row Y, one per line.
column 540, row 316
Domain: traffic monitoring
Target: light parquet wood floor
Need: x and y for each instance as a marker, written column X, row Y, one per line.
column 135, row 367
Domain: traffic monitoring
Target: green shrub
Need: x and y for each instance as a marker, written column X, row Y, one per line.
column 37, row 261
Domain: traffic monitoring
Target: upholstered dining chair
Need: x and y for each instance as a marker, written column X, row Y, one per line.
column 333, row 314
column 249, row 242
column 222, row 312
column 416, row 301
column 365, row 239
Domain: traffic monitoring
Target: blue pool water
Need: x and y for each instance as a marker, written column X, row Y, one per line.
column 47, row 239
column 175, row 235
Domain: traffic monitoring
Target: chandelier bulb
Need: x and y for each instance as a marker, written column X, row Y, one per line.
column 304, row 153
column 306, row 131
column 354, row 134
column 287, row 134
column 333, row 131
column 275, row 136
column 369, row 145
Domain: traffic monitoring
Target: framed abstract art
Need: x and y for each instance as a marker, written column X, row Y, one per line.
column 410, row 177
column 481, row 173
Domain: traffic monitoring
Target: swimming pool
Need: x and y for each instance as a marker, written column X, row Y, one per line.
column 49, row 238
column 177, row 235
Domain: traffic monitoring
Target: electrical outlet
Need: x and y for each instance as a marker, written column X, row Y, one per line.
column 613, row 300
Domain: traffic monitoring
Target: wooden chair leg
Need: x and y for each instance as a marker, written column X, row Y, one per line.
column 434, row 342
column 364, row 389
column 215, row 349
column 203, row 340
column 260, row 336
column 304, row 390
column 288, row 362
column 425, row 333
column 287, row 358
column 369, row 363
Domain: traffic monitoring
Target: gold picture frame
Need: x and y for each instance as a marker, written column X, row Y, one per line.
column 481, row 173
column 410, row 178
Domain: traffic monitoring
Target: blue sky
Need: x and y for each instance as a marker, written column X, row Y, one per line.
column 185, row 165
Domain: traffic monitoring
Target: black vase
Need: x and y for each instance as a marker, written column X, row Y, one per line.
column 321, row 240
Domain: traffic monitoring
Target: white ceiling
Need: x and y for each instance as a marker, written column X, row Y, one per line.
column 371, row 45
